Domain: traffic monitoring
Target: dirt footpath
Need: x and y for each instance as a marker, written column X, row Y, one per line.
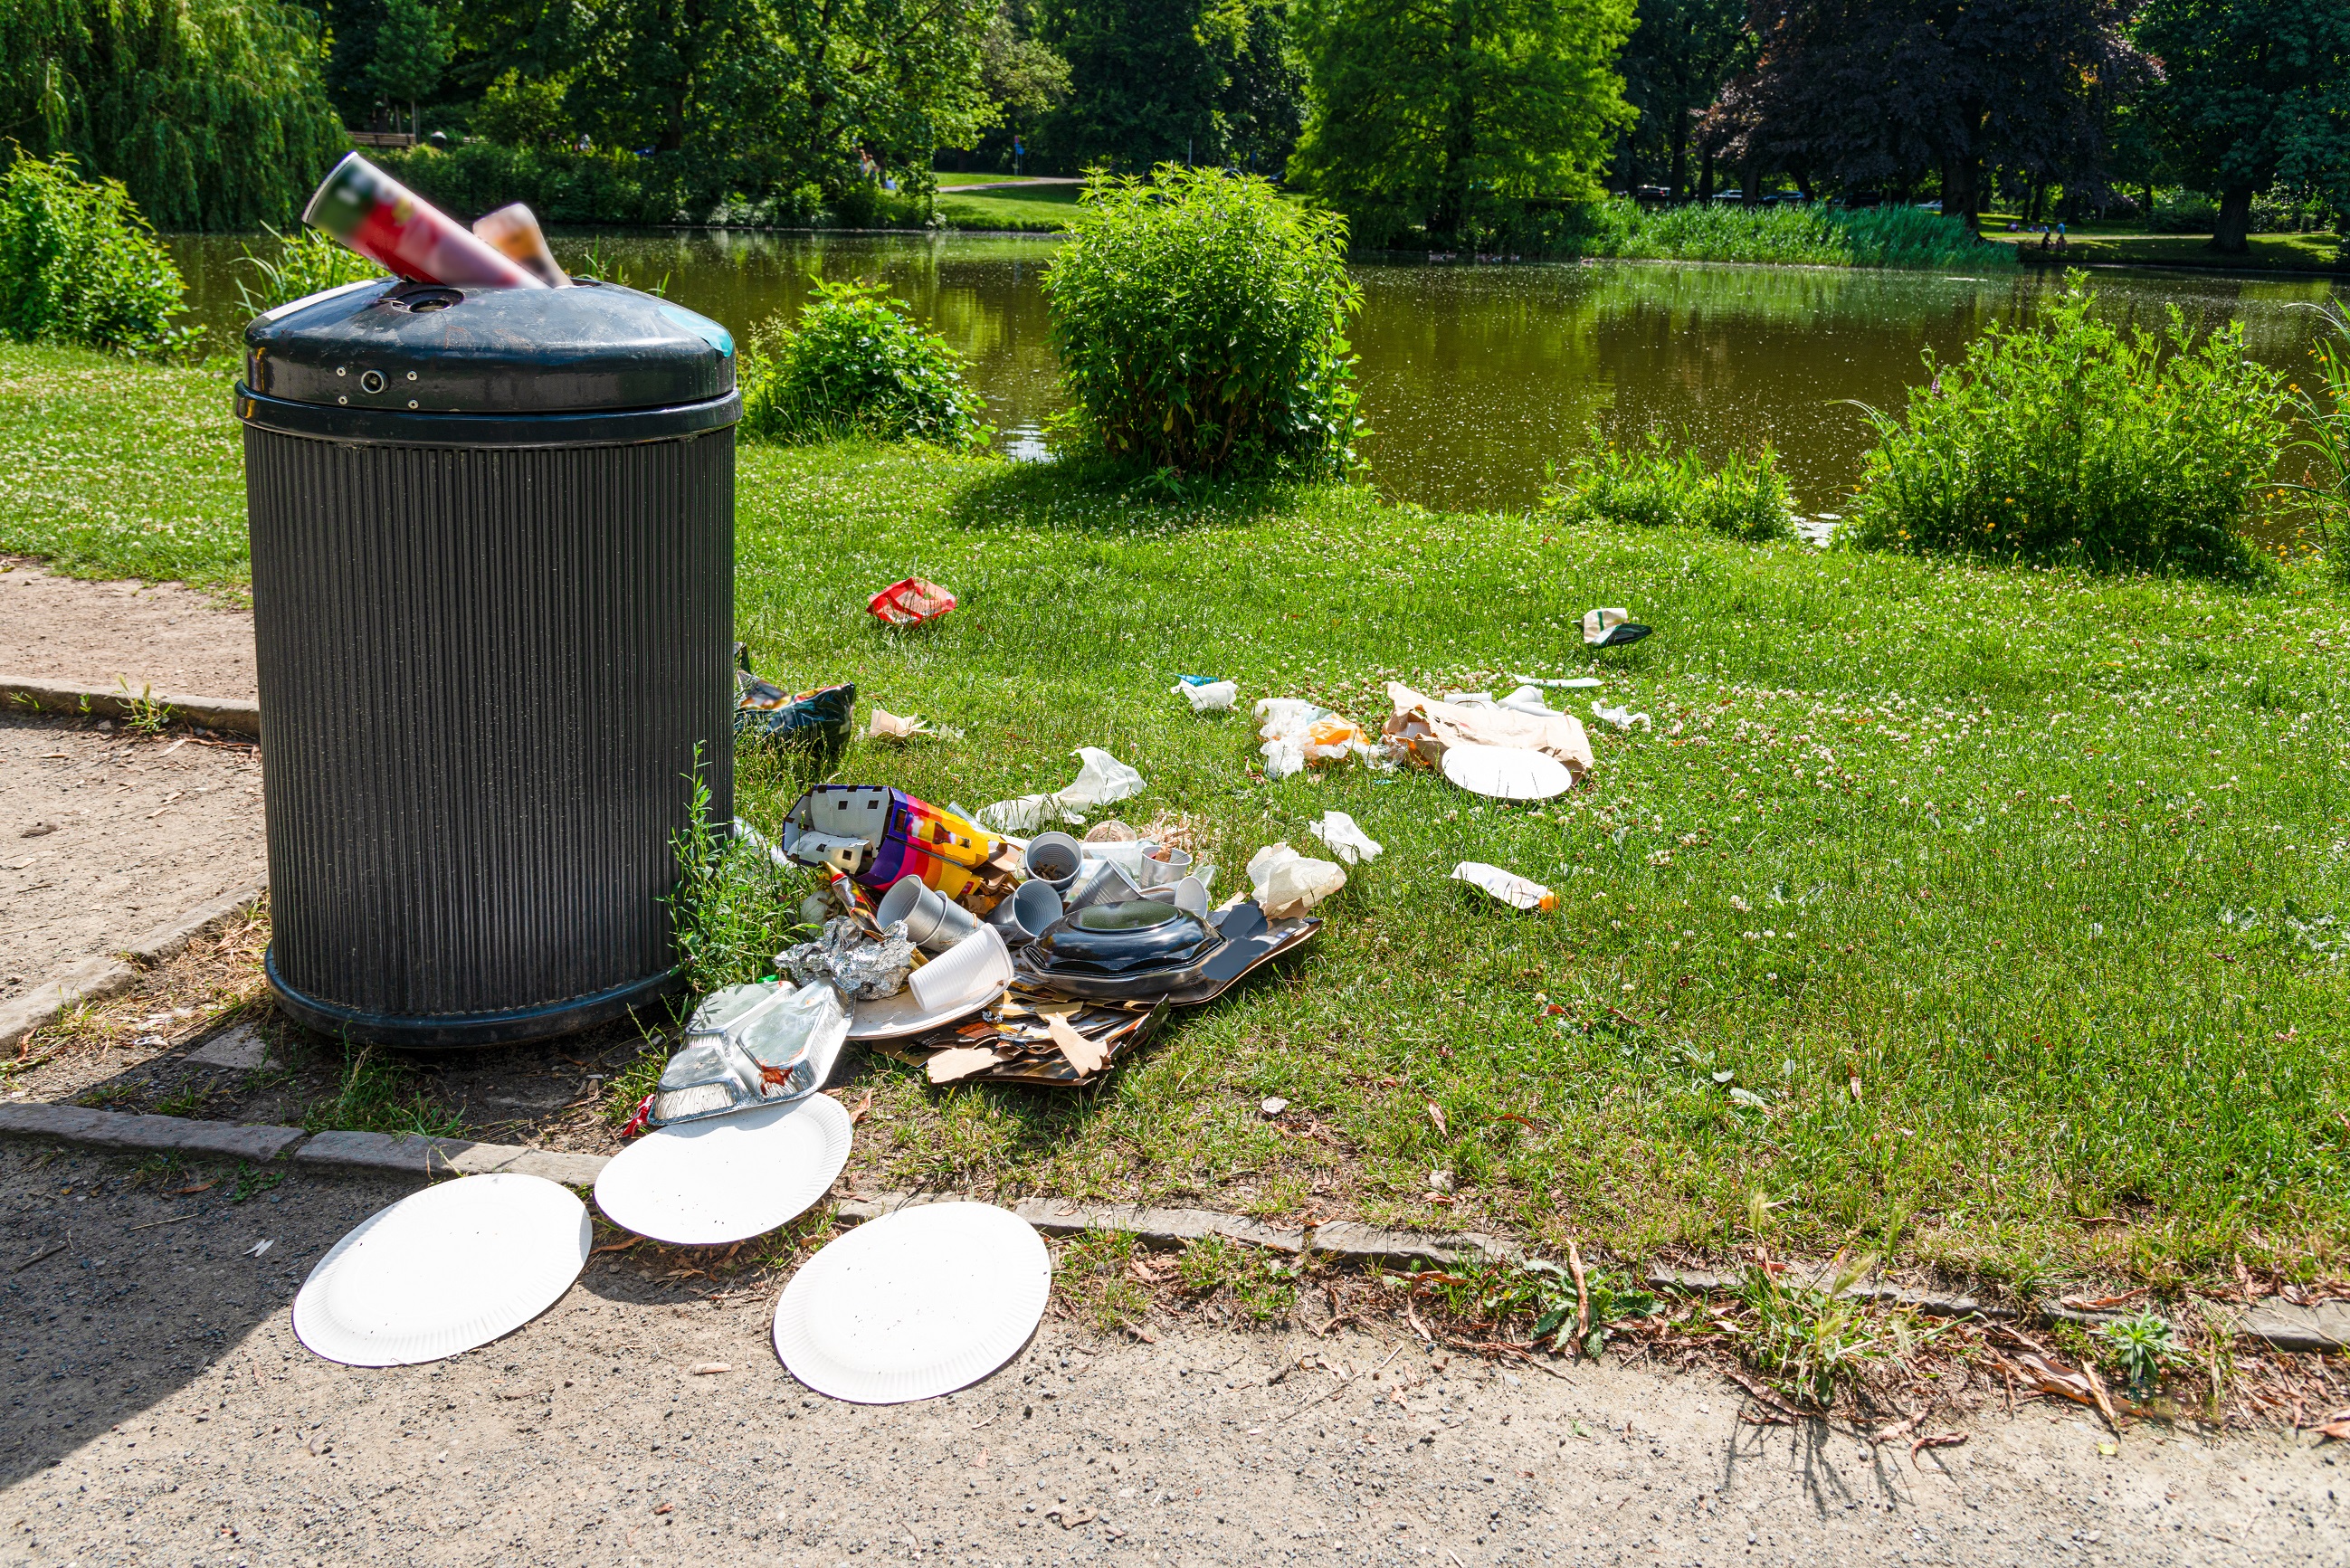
column 105, row 835
column 163, row 636
column 158, row 1410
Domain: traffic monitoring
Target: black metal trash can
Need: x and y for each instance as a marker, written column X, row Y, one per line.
column 493, row 588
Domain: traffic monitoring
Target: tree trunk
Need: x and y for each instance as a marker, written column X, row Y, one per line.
column 1749, row 173
column 1705, row 173
column 2147, row 217
column 2235, row 221
column 415, row 123
column 2031, row 209
column 1960, row 190
column 1680, row 180
column 1629, row 161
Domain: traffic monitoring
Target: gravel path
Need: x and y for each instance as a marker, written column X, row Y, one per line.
column 158, row 1410
column 163, row 636
column 105, row 836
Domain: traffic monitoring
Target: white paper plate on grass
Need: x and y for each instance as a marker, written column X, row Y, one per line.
column 914, row 1305
column 729, row 1178
column 1507, row 772
column 445, row 1270
column 893, row 1017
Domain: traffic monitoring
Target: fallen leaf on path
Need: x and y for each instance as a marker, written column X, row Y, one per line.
column 1436, row 1115
column 1940, row 1440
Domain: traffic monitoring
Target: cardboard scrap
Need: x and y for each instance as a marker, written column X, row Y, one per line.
column 959, row 1062
column 1083, row 1054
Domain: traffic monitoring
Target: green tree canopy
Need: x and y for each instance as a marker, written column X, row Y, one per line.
column 786, row 89
column 1446, row 113
column 1169, row 81
column 411, row 50
column 209, row 112
column 2252, row 92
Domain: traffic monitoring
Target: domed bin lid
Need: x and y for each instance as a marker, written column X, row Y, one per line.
column 411, row 347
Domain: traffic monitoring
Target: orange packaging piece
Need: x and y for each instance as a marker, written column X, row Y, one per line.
column 910, row 602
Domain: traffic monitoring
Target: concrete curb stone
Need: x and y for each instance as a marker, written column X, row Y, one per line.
column 177, row 1135
column 408, row 1154
column 233, row 714
column 96, row 979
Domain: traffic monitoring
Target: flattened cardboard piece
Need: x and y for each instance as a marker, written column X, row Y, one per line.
column 1081, row 1052
column 958, row 1063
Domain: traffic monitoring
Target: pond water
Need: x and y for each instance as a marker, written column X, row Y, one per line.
column 1473, row 377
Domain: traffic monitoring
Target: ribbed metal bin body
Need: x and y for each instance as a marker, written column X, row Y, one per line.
column 488, row 674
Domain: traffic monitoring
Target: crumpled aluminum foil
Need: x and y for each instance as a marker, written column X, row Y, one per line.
column 862, row 967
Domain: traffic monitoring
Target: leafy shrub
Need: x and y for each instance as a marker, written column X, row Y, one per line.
column 80, row 264
column 307, row 262
column 1201, row 323
column 855, row 364
column 1653, row 485
column 2080, row 441
column 561, row 185
column 564, row 186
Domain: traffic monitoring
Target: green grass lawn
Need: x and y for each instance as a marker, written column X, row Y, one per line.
column 2004, row 896
column 2120, row 246
column 1040, row 208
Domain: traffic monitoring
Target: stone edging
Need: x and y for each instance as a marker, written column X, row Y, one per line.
column 233, row 714
column 2324, row 1327
column 104, row 976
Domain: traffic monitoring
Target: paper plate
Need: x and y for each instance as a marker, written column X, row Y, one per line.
column 729, row 1178
column 901, row 1014
column 1506, row 773
column 447, row 1268
column 914, row 1305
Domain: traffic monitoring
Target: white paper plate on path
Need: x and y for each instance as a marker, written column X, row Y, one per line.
column 900, row 1015
column 1507, row 772
column 914, row 1305
column 727, row 1178
column 443, row 1270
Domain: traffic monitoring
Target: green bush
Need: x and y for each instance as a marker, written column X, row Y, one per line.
column 1201, row 323
column 855, row 365
column 307, row 262
column 80, row 264
column 2079, row 441
column 1656, row 485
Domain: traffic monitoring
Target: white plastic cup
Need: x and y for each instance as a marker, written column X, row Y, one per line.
column 1032, row 908
column 933, row 922
column 1054, row 859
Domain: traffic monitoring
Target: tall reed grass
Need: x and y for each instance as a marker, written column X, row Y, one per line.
column 1807, row 236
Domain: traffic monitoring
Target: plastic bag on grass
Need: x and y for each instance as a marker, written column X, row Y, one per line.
column 1286, row 883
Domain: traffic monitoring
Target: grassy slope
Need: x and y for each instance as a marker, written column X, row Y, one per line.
column 1990, row 821
column 2124, row 247
column 1043, row 208
column 109, row 470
